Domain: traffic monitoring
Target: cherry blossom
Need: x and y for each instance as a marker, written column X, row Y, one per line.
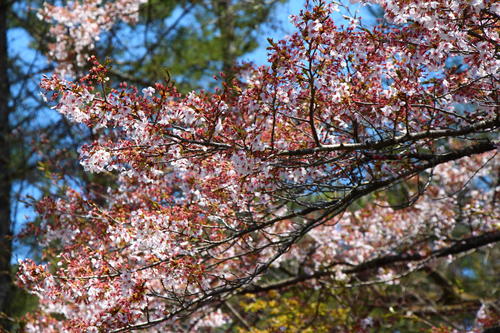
column 77, row 26
column 292, row 162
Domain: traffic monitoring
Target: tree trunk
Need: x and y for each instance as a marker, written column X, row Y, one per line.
column 5, row 172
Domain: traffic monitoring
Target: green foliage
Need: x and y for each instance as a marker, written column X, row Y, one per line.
column 192, row 40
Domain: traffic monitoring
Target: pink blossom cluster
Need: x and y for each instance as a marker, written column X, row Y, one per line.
column 78, row 25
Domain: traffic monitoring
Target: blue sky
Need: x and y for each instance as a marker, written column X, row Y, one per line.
column 293, row 7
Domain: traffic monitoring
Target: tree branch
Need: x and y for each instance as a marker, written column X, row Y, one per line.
column 459, row 247
column 434, row 134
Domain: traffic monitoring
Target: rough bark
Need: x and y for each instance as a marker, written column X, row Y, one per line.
column 5, row 172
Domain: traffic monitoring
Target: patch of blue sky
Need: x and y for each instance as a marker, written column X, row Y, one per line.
column 285, row 27
column 28, row 66
column 30, row 63
column 468, row 273
column 23, row 212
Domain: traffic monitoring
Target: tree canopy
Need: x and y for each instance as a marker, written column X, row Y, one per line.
column 356, row 158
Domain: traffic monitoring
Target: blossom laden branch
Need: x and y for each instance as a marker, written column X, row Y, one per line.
column 340, row 154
